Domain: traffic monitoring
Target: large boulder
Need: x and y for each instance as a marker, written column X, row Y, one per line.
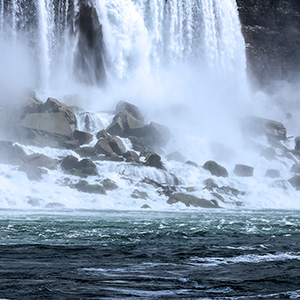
column 154, row 160
column 52, row 118
column 260, row 126
column 82, row 137
column 295, row 168
column 82, row 168
column 41, row 160
column 190, row 200
column 295, row 182
column 297, row 143
column 215, row 169
column 272, row 173
column 103, row 147
column 85, row 187
column 11, row 154
column 243, row 170
column 130, row 108
column 117, row 145
column 176, row 156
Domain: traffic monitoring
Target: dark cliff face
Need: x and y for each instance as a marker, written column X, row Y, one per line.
column 272, row 33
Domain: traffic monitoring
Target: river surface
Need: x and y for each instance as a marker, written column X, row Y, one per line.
column 207, row 254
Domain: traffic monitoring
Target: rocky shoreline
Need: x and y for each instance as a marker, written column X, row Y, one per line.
column 129, row 141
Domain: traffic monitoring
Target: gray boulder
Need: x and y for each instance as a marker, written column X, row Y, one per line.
column 295, row 168
column 85, row 187
column 297, row 143
column 154, row 160
column 41, row 160
column 215, row 169
column 82, row 168
column 243, row 170
column 130, row 108
column 11, row 154
column 103, row 147
column 131, row 156
column 116, row 144
column 259, row 126
column 190, row 200
column 136, row 194
column 176, row 156
column 109, row 184
column 272, row 173
column 82, row 137
column 69, row 162
column 295, row 182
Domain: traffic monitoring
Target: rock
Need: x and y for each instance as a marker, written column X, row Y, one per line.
column 103, row 147
column 85, row 187
column 297, row 143
column 32, row 172
column 87, row 151
column 11, row 154
column 102, row 134
column 164, row 189
column 146, row 206
column 86, row 167
column 176, row 156
column 41, row 160
column 138, row 144
column 154, row 160
column 109, row 184
column 136, row 194
column 156, row 134
column 117, row 145
column 131, row 156
column 272, row 173
column 117, row 125
column 35, row 202
column 215, row 169
column 55, row 205
column 260, row 126
column 130, row 108
column 190, row 200
column 192, row 163
column 210, row 184
column 295, row 182
column 82, row 137
column 268, row 153
column 70, row 144
column 83, row 168
column 69, row 162
column 243, row 170
column 295, row 168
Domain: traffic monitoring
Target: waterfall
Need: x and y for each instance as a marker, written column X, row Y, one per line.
column 127, row 38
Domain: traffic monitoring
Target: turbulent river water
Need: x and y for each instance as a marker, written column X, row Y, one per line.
column 240, row 254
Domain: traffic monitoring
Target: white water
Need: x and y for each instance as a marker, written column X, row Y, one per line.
column 182, row 62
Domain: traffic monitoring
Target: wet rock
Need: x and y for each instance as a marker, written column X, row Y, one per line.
column 268, row 153
column 176, row 156
column 87, row 151
column 190, row 200
column 130, row 108
column 272, row 173
column 82, row 137
column 215, row 169
column 138, row 144
column 297, row 143
column 11, row 154
column 117, row 125
column 131, row 156
column 295, row 168
column 103, row 147
column 192, row 163
column 156, row 134
column 102, row 134
column 210, row 184
column 295, row 182
column 117, row 145
column 69, row 162
column 55, row 205
column 109, row 184
column 35, row 202
column 52, row 117
column 70, row 144
column 41, row 160
column 146, row 206
column 257, row 126
column 82, row 168
column 243, row 170
column 154, row 160
column 163, row 189
column 32, row 172
column 136, row 194
column 85, row 187
column 86, row 167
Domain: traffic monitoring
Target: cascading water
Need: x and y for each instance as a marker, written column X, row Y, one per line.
column 132, row 37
